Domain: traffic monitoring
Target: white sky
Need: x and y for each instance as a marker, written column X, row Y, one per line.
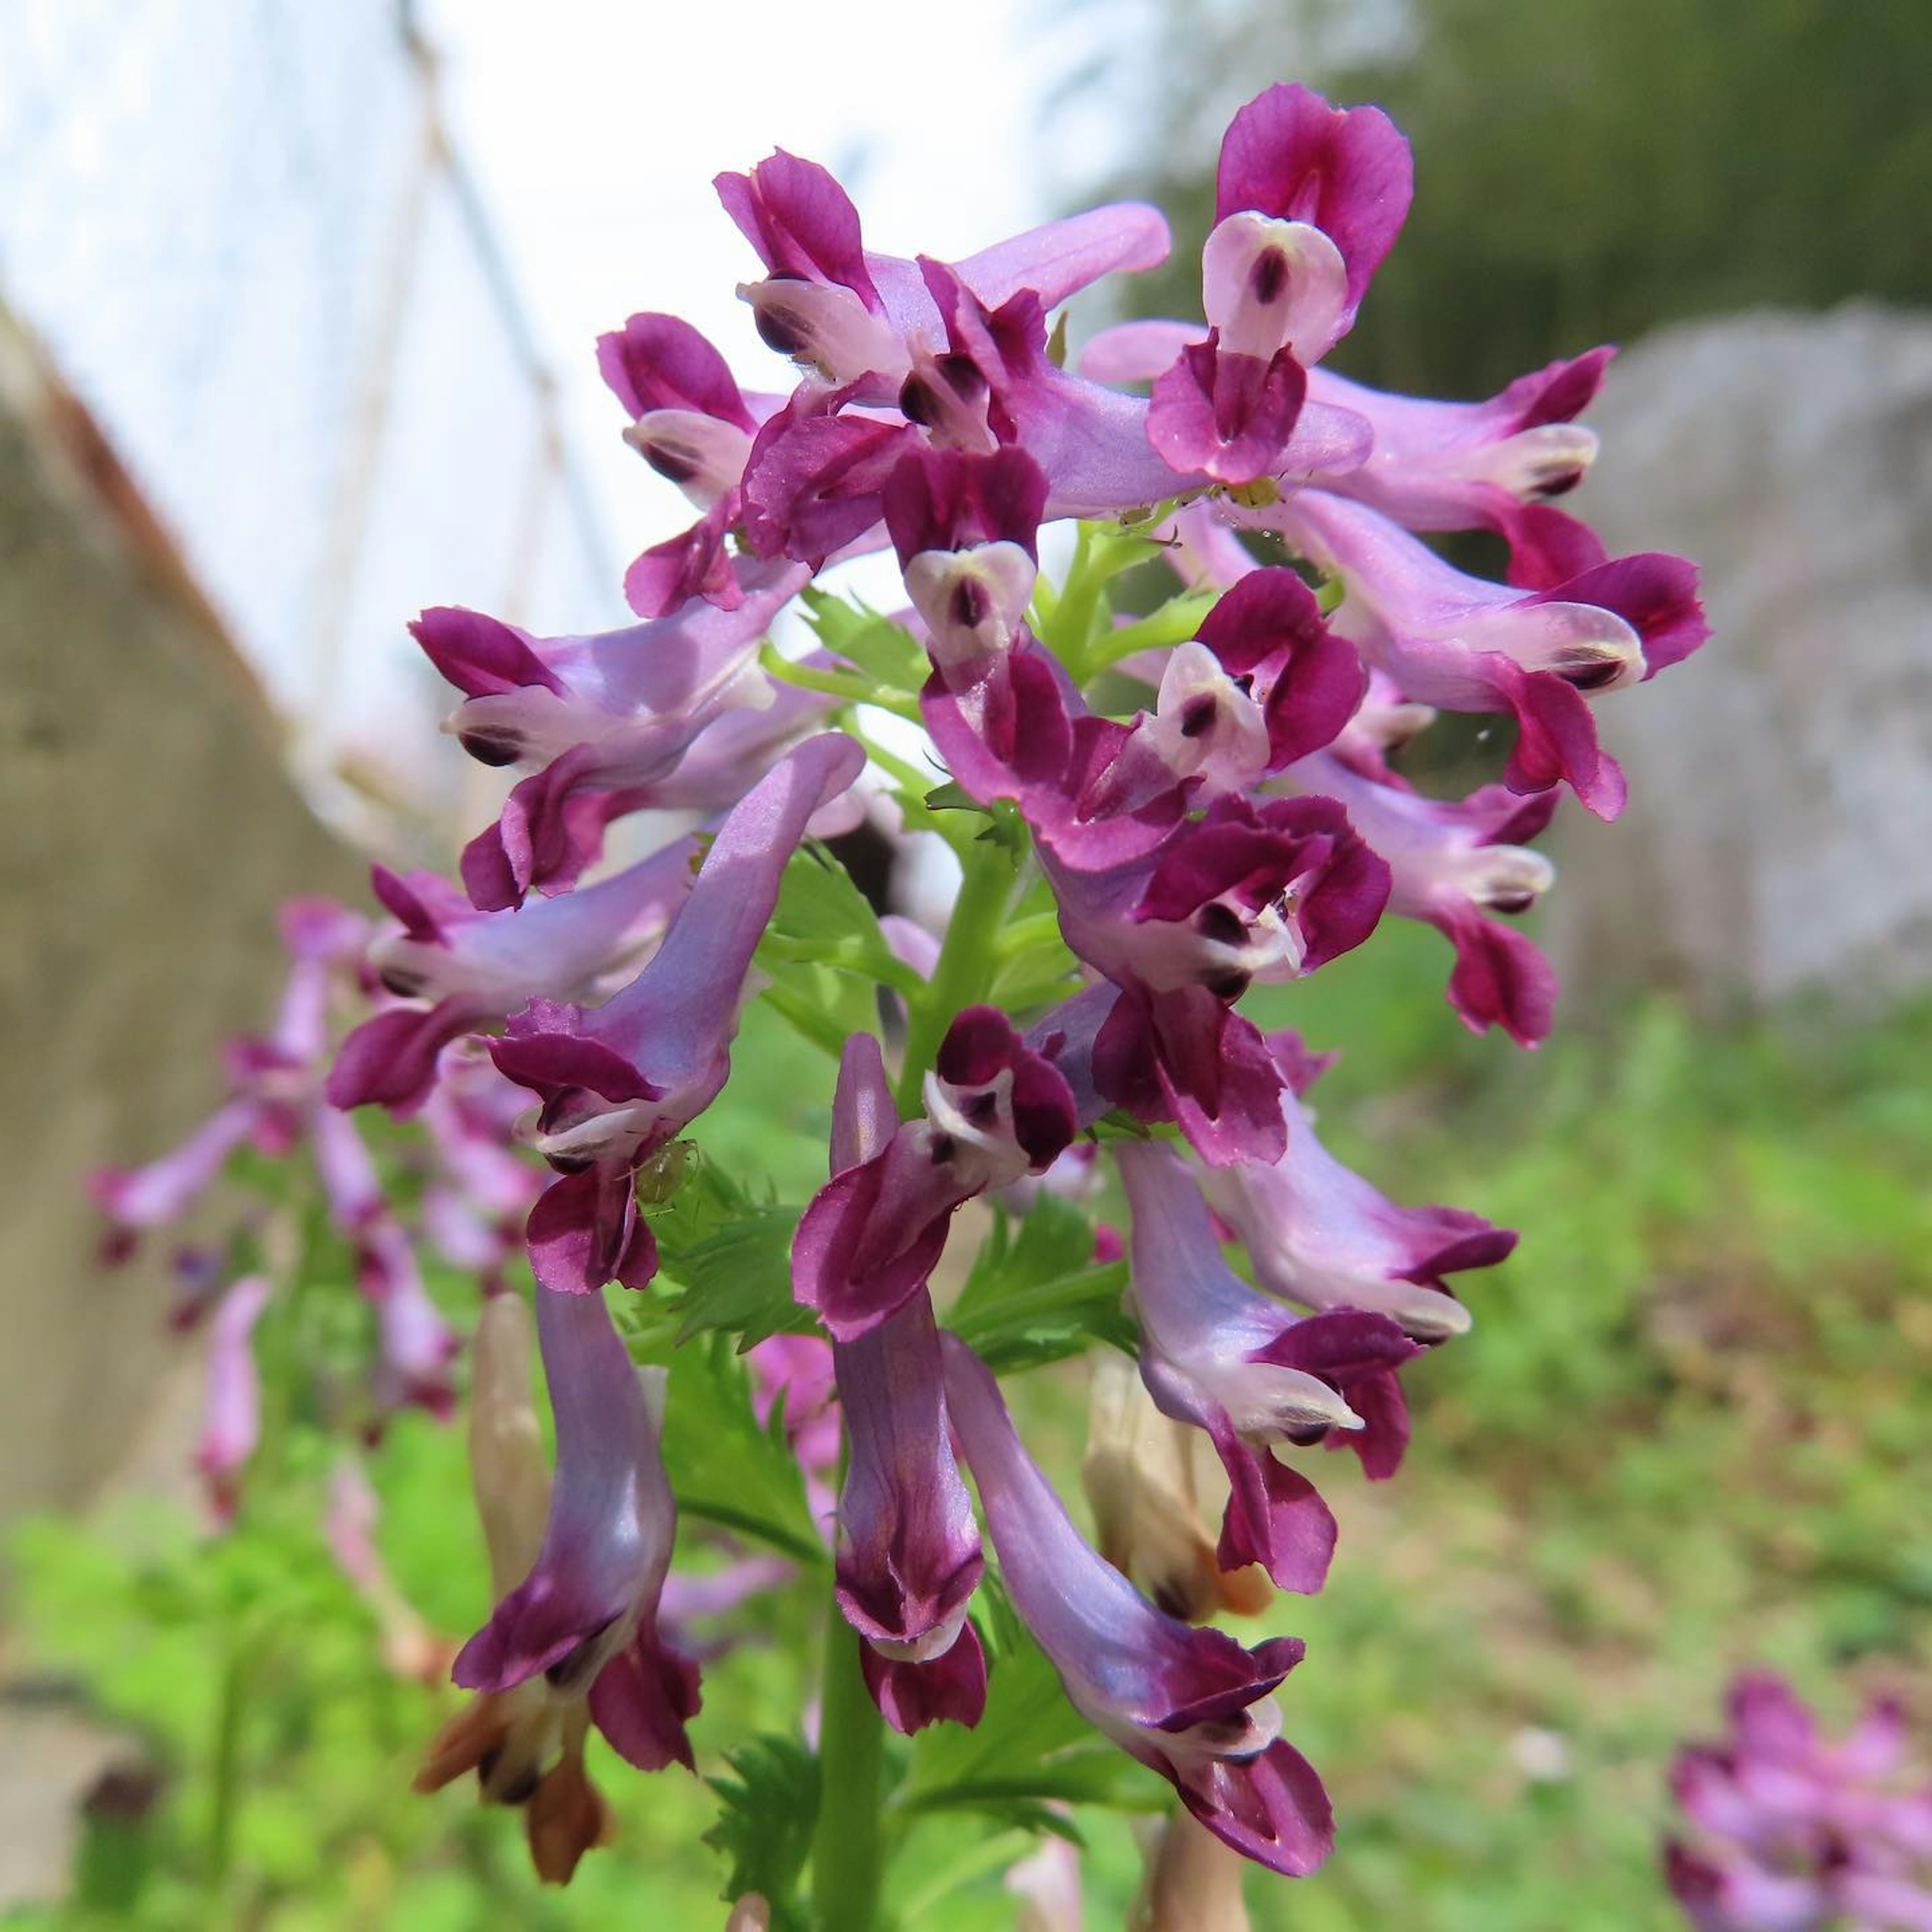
column 594, row 127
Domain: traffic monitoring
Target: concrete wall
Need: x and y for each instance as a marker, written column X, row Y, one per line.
column 148, row 833
column 1780, row 806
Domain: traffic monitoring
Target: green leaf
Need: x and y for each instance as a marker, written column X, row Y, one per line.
column 739, row 1280
column 725, row 1467
column 1034, row 1295
column 765, row 1821
column 887, row 652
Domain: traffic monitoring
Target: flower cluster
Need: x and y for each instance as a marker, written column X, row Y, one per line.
column 459, row 1189
column 1150, row 815
column 1797, row 1834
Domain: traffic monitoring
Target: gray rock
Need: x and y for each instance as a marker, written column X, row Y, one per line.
column 1779, row 835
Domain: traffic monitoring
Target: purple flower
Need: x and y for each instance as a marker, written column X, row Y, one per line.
column 861, row 321
column 525, row 1744
column 231, row 1417
column 1192, row 1704
column 585, row 1616
column 475, row 968
column 964, row 528
column 692, row 424
column 619, row 1082
column 1491, row 465
column 136, row 1199
column 1452, row 863
column 1308, row 199
column 1249, row 893
column 614, row 712
column 995, row 1110
column 1795, row 1833
column 1215, row 1353
column 1449, row 639
column 416, row 1346
column 908, row 1557
column 1319, row 1235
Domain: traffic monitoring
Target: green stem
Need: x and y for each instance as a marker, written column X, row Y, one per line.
column 849, row 685
column 848, row 1846
column 1174, row 623
column 224, row 1774
column 965, row 969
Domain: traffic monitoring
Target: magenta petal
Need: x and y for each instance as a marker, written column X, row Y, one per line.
column 660, row 362
column 606, row 1546
column 1347, row 171
column 1272, row 1809
column 871, row 1239
column 1227, row 415
column 642, row 1700
column 1556, row 740
column 585, row 1230
column 478, row 654
column 801, row 222
column 1275, row 1517
column 908, row 1549
column 948, row 1689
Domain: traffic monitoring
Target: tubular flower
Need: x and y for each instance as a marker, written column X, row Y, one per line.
column 231, row 1417
column 1451, row 863
column 995, row 1110
column 618, row 1082
column 476, row 968
column 525, row 1743
column 1215, row 1353
column 584, row 1619
column 908, row 1550
column 1191, row 1704
column 613, row 712
column 1450, row 639
column 1308, row 200
column 1320, row 1236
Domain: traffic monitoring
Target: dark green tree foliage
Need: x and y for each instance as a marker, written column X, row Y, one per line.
column 1589, row 169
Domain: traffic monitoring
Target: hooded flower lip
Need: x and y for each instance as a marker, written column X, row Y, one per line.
column 1347, row 172
column 1264, row 683
column 613, row 712
column 617, row 1082
column 995, row 1110
column 1218, row 1354
column 850, row 317
column 476, row 968
column 585, row 1616
column 690, row 421
column 965, row 530
column 908, row 1557
column 1308, row 199
column 1320, row 1235
column 1192, row 1704
column 1450, row 863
